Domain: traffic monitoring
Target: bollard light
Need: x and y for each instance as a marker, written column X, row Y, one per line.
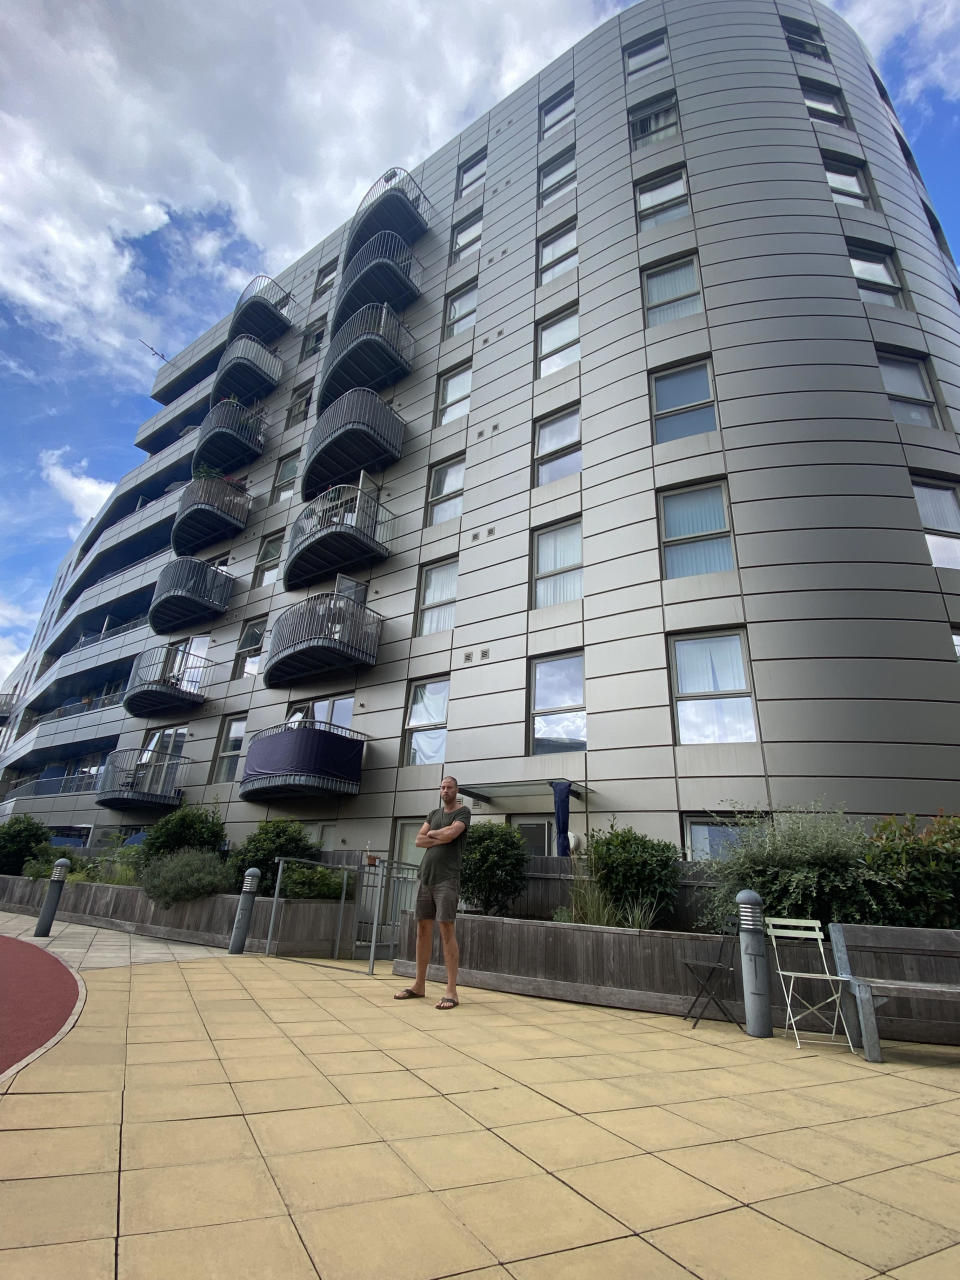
column 60, row 869
column 753, row 960
column 48, row 911
column 750, row 907
column 251, row 880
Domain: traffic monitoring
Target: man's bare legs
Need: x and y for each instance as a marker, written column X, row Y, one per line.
column 424, row 947
column 451, row 955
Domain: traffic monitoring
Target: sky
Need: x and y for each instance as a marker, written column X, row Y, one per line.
column 154, row 158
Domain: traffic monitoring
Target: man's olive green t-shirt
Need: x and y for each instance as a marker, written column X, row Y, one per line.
column 442, row 862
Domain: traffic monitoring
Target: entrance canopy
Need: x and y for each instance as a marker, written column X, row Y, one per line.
column 490, row 792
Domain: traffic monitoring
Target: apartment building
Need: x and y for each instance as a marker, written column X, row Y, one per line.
column 615, row 444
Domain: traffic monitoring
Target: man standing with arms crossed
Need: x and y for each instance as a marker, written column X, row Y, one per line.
column 442, row 836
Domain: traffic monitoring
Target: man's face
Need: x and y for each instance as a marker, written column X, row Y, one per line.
column 448, row 791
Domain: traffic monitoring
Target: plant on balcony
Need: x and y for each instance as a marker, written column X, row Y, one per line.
column 639, row 876
column 493, row 870
column 185, row 828
column 20, row 838
column 183, row 876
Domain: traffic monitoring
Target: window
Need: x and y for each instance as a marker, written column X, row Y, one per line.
column 645, row 54
column 471, row 173
column 709, row 837
column 299, row 405
column 907, row 391
column 313, row 338
column 662, row 199
column 445, row 492
column 937, row 231
column 877, row 279
column 169, row 741
column 331, row 711
column 557, row 176
column 426, row 727
column 695, row 531
column 711, row 689
column 285, row 480
column 956, row 643
column 654, row 122
column 824, row 103
column 268, row 560
column 454, row 398
column 559, row 717
column 682, row 402
column 671, row 292
column 556, row 111
column 939, row 507
column 249, row 647
column 848, row 183
column 558, row 343
column 558, row 569
column 466, row 237
column 537, row 834
column 229, row 748
column 438, row 598
column 325, row 278
column 557, row 253
column 804, row 37
column 557, row 447
column 461, row 311
column 219, row 562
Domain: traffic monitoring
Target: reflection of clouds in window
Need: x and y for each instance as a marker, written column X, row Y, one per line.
column 559, row 683
column 704, row 720
column 565, row 731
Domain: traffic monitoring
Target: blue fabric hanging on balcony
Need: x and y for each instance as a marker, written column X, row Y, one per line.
column 561, row 814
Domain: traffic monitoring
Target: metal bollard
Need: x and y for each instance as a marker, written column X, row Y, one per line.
column 50, row 903
column 753, row 959
column 241, row 925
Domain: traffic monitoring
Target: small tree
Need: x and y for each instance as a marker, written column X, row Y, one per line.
column 640, row 876
column 185, row 875
column 921, row 868
column 185, row 828
column 274, row 838
column 20, row 837
column 494, row 867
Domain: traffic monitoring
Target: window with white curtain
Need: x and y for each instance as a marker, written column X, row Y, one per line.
column 662, row 199
column 557, row 253
column 557, row 446
column 559, row 717
column 471, row 174
column 557, row 177
column 559, row 559
column 908, row 392
column 330, row 712
column 445, row 491
column 682, row 401
column 645, row 54
column 556, row 111
column 438, row 598
column 939, row 507
column 671, row 292
column 695, row 531
column 454, row 395
column 711, row 688
column 558, row 343
column 426, row 727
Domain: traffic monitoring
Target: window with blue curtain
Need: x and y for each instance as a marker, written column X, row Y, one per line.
column 695, row 532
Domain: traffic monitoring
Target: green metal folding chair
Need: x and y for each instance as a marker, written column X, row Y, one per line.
column 827, row 1011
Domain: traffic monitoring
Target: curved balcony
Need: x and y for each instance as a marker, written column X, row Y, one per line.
column 357, row 433
column 344, row 528
column 247, row 371
column 230, row 436
column 384, row 270
column 309, row 758
column 394, row 203
column 260, row 310
column 373, row 349
column 6, row 707
column 328, row 632
column 188, row 592
column 139, row 778
column 167, row 679
column 210, row 510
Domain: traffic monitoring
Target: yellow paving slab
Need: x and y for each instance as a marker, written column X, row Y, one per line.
column 921, row 1191
column 822, row 1152
column 312, row 1129
column 653, row 1128
column 937, row 1266
column 42, row 1077
column 264, row 1247
column 84, row 1260
column 625, row 1259
column 645, row 1192
column 338, row 1176
column 417, row 1118
column 566, row 1142
column 583, row 1096
column 183, row 1102
column 511, row 1105
column 344, row 1042
column 83, row 1207
column 463, row 1159
column 196, row 1195
column 286, row 1095
column 286, row 1067
column 383, row 1086
column 179, row 1142
column 172, row 1075
column 58, row 1110
column 741, row 1171
column 351, row 1064
column 43, row 1153
column 178, row 1051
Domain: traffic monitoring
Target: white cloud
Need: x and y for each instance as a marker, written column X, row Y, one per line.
column 12, row 650
column 925, row 35
column 17, row 369
column 84, row 494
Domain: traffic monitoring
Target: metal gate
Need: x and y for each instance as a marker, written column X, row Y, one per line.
column 384, row 891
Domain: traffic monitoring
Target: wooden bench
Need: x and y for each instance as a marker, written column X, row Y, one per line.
column 918, row 964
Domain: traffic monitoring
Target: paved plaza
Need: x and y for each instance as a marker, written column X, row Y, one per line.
column 220, row 1117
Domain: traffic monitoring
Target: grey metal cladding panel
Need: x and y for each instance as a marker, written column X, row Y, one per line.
column 902, row 329
column 870, row 796
column 828, row 431
column 841, row 513
column 802, row 546
column 822, row 720
column 744, row 222
column 797, row 352
column 812, row 376
column 942, row 453
column 817, row 480
column 788, row 406
column 861, row 759
column 792, row 603
column 847, row 638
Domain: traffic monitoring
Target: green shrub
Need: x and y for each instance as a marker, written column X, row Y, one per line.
column 300, row 881
column 20, row 838
column 921, row 869
column 493, row 869
column 640, row 876
column 40, row 863
column 804, row 863
column 185, row 875
column 274, row 838
column 185, row 828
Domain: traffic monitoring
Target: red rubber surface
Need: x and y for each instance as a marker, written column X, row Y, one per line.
column 37, row 995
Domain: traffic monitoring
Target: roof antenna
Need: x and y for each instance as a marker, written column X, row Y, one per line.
column 158, row 354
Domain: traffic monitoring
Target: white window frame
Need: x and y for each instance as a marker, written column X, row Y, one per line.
column 739, row 693
column 460, row 249
column 824, row 103
column 299, row 409
column 313, row 337
column 543, row 457
column 412, row 730
column 253, row 649
column 468, row 179
column 326, row 275
column 804, row 38
column 454, row 325
column 565, row 261
column 658, row 415
column 427, row 614
column 895, row 398
column 636, row 54
column 285, row 486
column 711, row 535
column 305, row 709
column 713, row 822
column 224, row 765
column 456, row 406
column 267, row 568
column 943, row 543
column 549, row 120
column 550, row 186
column 437, row 500
column 572, row 572
column 836, row 170
column 664, row 132
column 651, row 319
column 886, row 292
column 676, row 206
column 568, row 350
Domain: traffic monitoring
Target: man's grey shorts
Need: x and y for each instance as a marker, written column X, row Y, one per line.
column 438, row 901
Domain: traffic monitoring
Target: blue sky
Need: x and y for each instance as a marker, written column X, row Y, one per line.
column 156, row 158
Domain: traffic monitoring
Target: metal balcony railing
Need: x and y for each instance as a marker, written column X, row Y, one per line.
column 30, row 721
column 188, row 591
column 307, row 758
column 395, row 202
column 166, row 679
column 74, row 785
column 6, row 707
column 260, row 310
column 383, row 270
column 141, row 779
column 210, row 510
column 248, row 371
column 325, row 633
column 358, row 432
column 109, row 632
column 373, row 349
column 230, row 436
column 342, row 529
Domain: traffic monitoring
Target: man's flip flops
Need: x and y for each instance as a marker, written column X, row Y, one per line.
column 408, row 993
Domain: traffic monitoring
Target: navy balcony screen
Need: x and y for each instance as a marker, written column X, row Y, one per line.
column 302, row 750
